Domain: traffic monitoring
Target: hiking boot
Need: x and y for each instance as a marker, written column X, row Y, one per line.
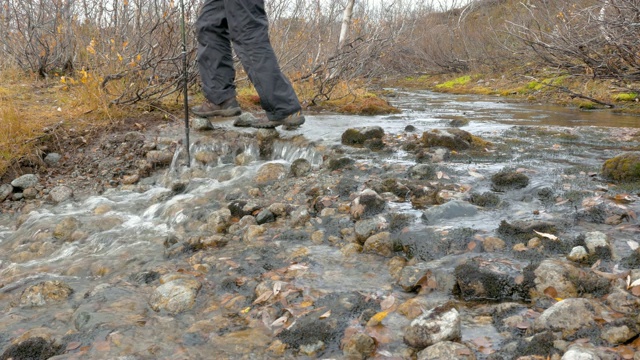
column 228, row 108
column 290, row 122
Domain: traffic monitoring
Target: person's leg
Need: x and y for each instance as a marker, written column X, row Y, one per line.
column 215, row 61
column 249, row 30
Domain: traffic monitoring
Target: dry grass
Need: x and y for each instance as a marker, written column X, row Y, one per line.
column 32, row 107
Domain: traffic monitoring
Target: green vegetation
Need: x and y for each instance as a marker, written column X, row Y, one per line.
column 455, row 82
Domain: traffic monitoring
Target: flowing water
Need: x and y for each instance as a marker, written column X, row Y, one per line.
column 120, row 236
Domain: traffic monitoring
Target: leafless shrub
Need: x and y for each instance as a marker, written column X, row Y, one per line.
column 597, row 38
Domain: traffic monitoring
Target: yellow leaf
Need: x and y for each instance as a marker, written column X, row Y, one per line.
column 246, row 310
column 119, row 57
column 377, row 318
column 305, row 304
column 63, row 79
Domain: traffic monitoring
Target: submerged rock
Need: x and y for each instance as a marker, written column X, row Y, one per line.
column 446, row 350
column 569, row 316
column 35, row 348
column 358, row 136
column 367, row 203
column 508, row 180
column 453, row 139
column 495, row 279
column 625, row 167
column 436, row 325
column 175, row 295
column 44, row 293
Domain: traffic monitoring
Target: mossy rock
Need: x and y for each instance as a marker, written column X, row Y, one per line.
column 358, row 136
column 507, row 180
column 625, row 167
column 453, row 139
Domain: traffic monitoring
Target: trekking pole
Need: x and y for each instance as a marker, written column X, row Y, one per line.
column 185, row 82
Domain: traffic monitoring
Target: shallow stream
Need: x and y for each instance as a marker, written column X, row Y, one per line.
column 123, row 240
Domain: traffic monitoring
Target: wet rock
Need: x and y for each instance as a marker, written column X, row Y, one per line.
column 422, row 172
column 253, row 232
column 351, row 249
column 30, row 193
column 578, row 254
column 309, row 330
column 446, row 350
column 206, row 157
column 160, row 157
column 624, row 167
column 380, row 244
column 453, row 139
column 374, row 144
column 5, row 191
column 509, row 180
column 300, row 167
column 52, row 159
column 493, row 244
column 219, row 221
column 65, row 228
column 359, row 346
column 367, row 203
column 200, row 124
column 339, row 163
column 598, row 245
column 493, row 278
column 449, row 210
column 619, row 331
column 623, row 302
column 176, row 294
column 565, row 280
column 279, row 209
column 60, row 194
column 270, row 173
column 300, row 216
column 439, row 324
column 207, row 242
column 522, row 231
column 44, row 293
column 363, row 229
column 358, row 136
column 487, row 199
column 580, row 352
column 265, row 216
column 569, row 315
column 410, row 128
column 35, row 348
column 346, row 186
column 25, row 181
column 431, row 244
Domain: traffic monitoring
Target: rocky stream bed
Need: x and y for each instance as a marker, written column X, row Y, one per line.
column 463, row 228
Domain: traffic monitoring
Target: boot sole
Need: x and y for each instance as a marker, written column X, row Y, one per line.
column 286, row 124
column 219, row 113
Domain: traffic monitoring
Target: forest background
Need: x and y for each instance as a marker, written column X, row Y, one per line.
column 75, row 65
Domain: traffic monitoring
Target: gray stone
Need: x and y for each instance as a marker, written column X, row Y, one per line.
column 446, row 350
column 569, row 316
column 278, row 209
column 380, row 244
column 30, row 193
column 25, row 181
column 65, row 228
column 436, row 325
column 422, row 172
column 492, row 278
column 367, row 203
column 270, row 173
column 359, row 346
column 580, row 352
column 175, row 296
column 46, row 292
column 300, row 216
column 595, row 241
column 449, row 210
column 160, row 157
column 559, row 275
column 265, row 216
column 578, row 254
column 52, row 159
column 5, row 191
column 219, row 220
column 200, row 124
column 367, row 227
column 300, row 167
column 60, row 193
column 133, row 136
column 244, row 159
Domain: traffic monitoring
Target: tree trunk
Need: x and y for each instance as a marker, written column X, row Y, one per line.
column 346, row 20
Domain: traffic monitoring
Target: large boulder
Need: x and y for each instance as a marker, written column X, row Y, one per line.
column 358, row 136
column 625, row 167
column 453, row 139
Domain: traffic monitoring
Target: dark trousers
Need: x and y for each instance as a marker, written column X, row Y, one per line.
column 243, row 22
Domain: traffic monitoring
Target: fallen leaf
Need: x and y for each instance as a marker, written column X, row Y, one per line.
column 277, row 286
column 280, row 321
column 548, row 236
column 264, row 297
column 305, row 304
column 325, row 315
column 388, row 302
column 475, row 174
column 635, row 290
column 633, row 284
column 551, row 292
column 377, row 318
column 439, row 174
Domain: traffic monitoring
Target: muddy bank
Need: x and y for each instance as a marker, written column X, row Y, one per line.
column 389, row 242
